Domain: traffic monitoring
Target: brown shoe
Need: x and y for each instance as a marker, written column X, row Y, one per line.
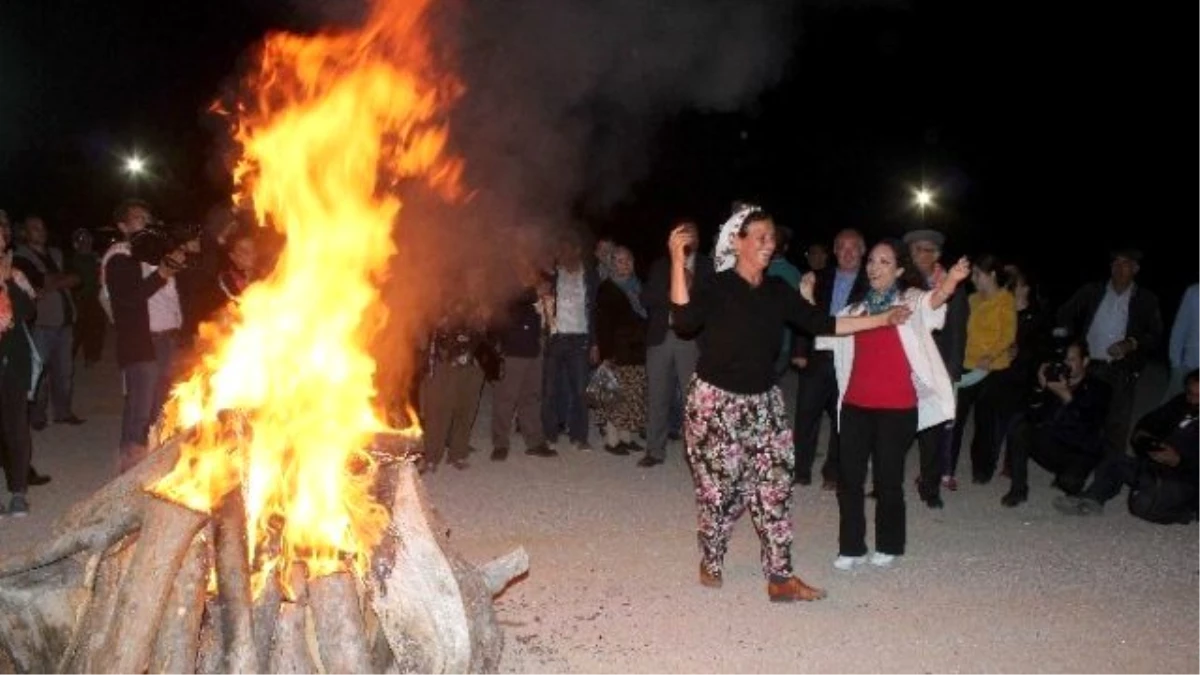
column 791, row 590
column 710, row 579
column 829, row 485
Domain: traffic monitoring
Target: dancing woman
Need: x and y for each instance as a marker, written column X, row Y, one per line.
column 739, row 442
column 892, row 383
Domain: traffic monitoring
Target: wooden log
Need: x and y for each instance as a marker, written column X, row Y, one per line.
column 502, row 571
column 101, row 520
column 266, row 613
column 338, row 619
column 211, row 657
column 38, row 613
column 290, row 650
column 98, row 617
column 178, row 640
column 435, row 609
column 233, row 587
column 166, row 535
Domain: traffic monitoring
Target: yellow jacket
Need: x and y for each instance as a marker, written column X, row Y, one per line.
column 991, row 330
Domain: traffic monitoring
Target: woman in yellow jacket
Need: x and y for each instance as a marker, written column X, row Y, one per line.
column 991, row 333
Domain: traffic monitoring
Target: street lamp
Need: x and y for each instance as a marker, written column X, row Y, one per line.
column 135, row 166
column 923, row 198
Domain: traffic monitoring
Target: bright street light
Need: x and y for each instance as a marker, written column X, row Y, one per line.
column 924, row 198
column 135, row 166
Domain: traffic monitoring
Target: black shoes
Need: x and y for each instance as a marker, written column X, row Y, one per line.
column 36, row 478
column 499, row 454
column 542, row 450
column 1014, row 497
column 648, row 461
column 73, row 419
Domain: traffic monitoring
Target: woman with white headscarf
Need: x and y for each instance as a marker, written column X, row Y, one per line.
column 739, row 442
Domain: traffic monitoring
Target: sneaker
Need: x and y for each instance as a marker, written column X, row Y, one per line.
column 583, row 447
column 1077, row 506
column 618, row 449
column 542, row 450
column 460, row 463
column 18, row 506
column 649, row 461
column 950, row 483
column 846, row 563
column 499, row 454
column 882, row 559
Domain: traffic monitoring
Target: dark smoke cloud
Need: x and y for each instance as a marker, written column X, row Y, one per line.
column 564, row 96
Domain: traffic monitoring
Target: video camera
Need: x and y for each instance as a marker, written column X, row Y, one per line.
column 1057, row 369
column 153, row 243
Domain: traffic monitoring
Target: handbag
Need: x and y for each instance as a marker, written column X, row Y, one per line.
column 603, row 387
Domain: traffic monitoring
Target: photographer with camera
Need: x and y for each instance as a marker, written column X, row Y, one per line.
column 1163, row 472
column 1063, row 427
column 137, row 282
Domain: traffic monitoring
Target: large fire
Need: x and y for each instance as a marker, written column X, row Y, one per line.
column 283, row 405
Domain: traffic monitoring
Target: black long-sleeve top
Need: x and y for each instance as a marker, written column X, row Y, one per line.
column 129, row 291
column 743, row 328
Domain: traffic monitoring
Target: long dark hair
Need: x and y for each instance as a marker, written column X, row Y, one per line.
column 911, row 277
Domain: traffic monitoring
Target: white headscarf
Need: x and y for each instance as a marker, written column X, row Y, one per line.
column 725, row 255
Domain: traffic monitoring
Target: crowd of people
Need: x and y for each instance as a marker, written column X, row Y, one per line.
column 738, row 354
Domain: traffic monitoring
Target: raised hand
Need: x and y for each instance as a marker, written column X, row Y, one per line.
column 681, row 243
column 961, row 269
column 808, row 285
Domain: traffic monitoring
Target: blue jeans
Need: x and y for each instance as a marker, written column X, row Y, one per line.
column 564, row 381
column 55, row 346
column 146, row 386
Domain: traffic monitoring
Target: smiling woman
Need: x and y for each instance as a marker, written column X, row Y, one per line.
column 739, row 443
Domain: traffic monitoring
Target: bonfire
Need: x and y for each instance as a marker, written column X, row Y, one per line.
column 280, row 524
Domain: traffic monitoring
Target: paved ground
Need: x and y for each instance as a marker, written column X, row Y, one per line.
column 613, row 581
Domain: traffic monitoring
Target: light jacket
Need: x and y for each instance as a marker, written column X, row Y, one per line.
column 935, row 391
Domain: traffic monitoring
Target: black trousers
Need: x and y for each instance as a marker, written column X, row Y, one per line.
column 17, row 445
column 817, row 395
column 985, row 399
column 1069, row 465
column 934, row 444
column 1123, row 383
column 880, row 438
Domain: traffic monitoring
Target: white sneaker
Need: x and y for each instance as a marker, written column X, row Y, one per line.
column 882, row 559
column 846, row 563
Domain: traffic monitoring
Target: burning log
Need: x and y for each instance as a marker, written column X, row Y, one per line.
column 140, row 601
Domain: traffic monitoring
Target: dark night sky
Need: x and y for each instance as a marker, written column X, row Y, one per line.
column 1032, row 119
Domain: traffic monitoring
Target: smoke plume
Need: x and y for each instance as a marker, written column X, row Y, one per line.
column 564, row 96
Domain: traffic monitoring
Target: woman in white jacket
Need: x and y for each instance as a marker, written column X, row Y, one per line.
column 891, row 383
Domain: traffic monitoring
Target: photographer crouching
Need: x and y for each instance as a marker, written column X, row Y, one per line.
column 138, row 287
column 1162, row 472
column 1062, row 429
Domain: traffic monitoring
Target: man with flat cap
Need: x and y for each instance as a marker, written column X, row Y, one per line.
column 1122, row 325
column 925, row 249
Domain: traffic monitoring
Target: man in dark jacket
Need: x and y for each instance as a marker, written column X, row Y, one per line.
column 1122, row 325
column 670, row 357
column 844, row 284
column 147, row 318
column 519, row 389
column 1061, row 430
column 1165, row 442
column 925, row 249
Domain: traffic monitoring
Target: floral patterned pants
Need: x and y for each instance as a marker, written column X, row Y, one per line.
column 739, row 447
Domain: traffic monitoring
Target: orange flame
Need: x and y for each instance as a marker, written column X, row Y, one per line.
column 283, row 403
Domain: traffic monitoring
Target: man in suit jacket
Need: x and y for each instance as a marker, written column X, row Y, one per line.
column 670, row 356
column 836, row 287
column 925, row 249
column 1122, row 325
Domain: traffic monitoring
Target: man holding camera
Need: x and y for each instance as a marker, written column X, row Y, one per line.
column 147, row 316
column 1062, row 429
column 1165, row 447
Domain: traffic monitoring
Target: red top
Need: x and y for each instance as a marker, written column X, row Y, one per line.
column 880, row 377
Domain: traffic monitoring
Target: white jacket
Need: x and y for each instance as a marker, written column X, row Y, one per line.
column 935, row 391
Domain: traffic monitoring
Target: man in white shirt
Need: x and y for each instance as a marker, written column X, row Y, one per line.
column 1122, row 324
